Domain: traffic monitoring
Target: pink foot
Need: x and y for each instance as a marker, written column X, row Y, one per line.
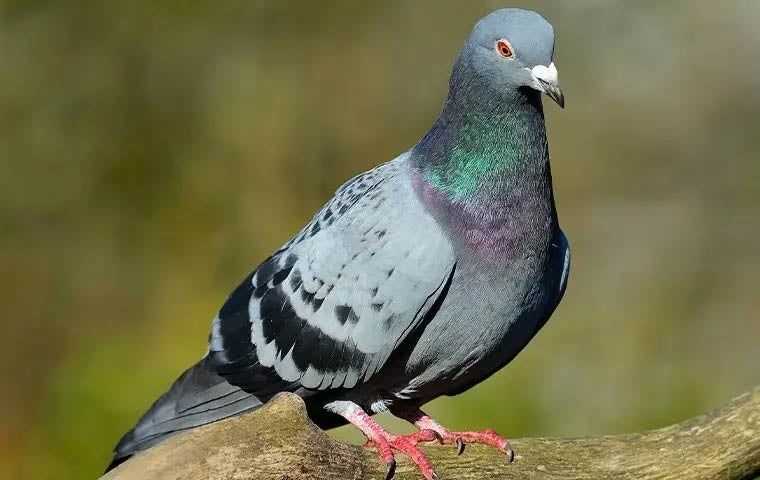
column 460, row 439
column 406, row 444
column 386, row 443
column 486, row 437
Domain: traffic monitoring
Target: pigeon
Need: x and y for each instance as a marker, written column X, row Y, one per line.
column 418, row 279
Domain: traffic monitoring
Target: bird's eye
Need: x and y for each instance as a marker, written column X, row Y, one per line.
column 504, row 48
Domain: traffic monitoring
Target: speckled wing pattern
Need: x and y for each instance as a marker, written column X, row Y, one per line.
column 327, row 309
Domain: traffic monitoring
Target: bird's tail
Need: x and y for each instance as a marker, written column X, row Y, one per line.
column 199, row 396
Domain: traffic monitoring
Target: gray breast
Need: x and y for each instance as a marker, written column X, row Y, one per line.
column 486, row 319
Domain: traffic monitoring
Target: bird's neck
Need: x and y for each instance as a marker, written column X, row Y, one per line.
column 483, row 167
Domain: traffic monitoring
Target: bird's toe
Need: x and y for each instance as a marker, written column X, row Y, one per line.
column 510, row 455
column 460, row 445
column 391, row 470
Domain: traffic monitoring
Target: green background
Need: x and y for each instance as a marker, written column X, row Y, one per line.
column 153, row 152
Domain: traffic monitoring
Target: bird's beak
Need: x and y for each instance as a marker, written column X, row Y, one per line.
column 545, row 80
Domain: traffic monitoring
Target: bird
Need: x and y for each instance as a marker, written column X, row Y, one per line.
column 418, row 279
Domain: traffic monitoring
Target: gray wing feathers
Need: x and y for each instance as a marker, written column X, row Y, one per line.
column 198, row 397
column 351, row 285
column 325, row 311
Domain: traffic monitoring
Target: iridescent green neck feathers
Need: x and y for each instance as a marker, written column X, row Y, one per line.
column 484, row 141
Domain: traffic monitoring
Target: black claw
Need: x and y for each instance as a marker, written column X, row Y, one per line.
column 391, row 470
column 438, row 437
column 460, row 446
column 510, row 455
column 434, row 476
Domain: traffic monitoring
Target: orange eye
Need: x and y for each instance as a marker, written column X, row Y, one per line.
column 504, row 48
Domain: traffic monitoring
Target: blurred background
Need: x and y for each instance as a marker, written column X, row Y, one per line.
column 153, row 153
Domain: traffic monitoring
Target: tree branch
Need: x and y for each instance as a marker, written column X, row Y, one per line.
column 279, row 442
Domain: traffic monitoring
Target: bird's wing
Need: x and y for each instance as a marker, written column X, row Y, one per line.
column 327, row 309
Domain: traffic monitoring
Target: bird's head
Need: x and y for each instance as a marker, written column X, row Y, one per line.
column 512, row 49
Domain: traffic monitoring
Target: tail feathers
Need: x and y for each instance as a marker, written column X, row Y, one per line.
column 198, row 397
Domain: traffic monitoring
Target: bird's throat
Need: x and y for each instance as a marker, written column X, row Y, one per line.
column 483, row 170
column 487, row 139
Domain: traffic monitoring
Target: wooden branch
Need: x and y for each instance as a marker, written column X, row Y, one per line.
column 279, row 442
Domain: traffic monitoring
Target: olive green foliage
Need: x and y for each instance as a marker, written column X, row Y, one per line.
column 153, row 152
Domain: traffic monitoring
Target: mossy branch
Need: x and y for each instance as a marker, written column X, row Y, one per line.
column 279, row 442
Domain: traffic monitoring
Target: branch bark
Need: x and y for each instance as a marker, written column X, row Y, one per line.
column 279, row 442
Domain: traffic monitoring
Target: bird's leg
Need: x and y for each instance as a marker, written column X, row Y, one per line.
column 386, row 443
column 460, row 439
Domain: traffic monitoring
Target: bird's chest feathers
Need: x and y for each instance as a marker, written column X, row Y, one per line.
column 507, row 229
column 506, row 220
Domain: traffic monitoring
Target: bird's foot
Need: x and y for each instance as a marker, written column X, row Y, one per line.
column 460, row 439
column 386, row 444
column 485, row 437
